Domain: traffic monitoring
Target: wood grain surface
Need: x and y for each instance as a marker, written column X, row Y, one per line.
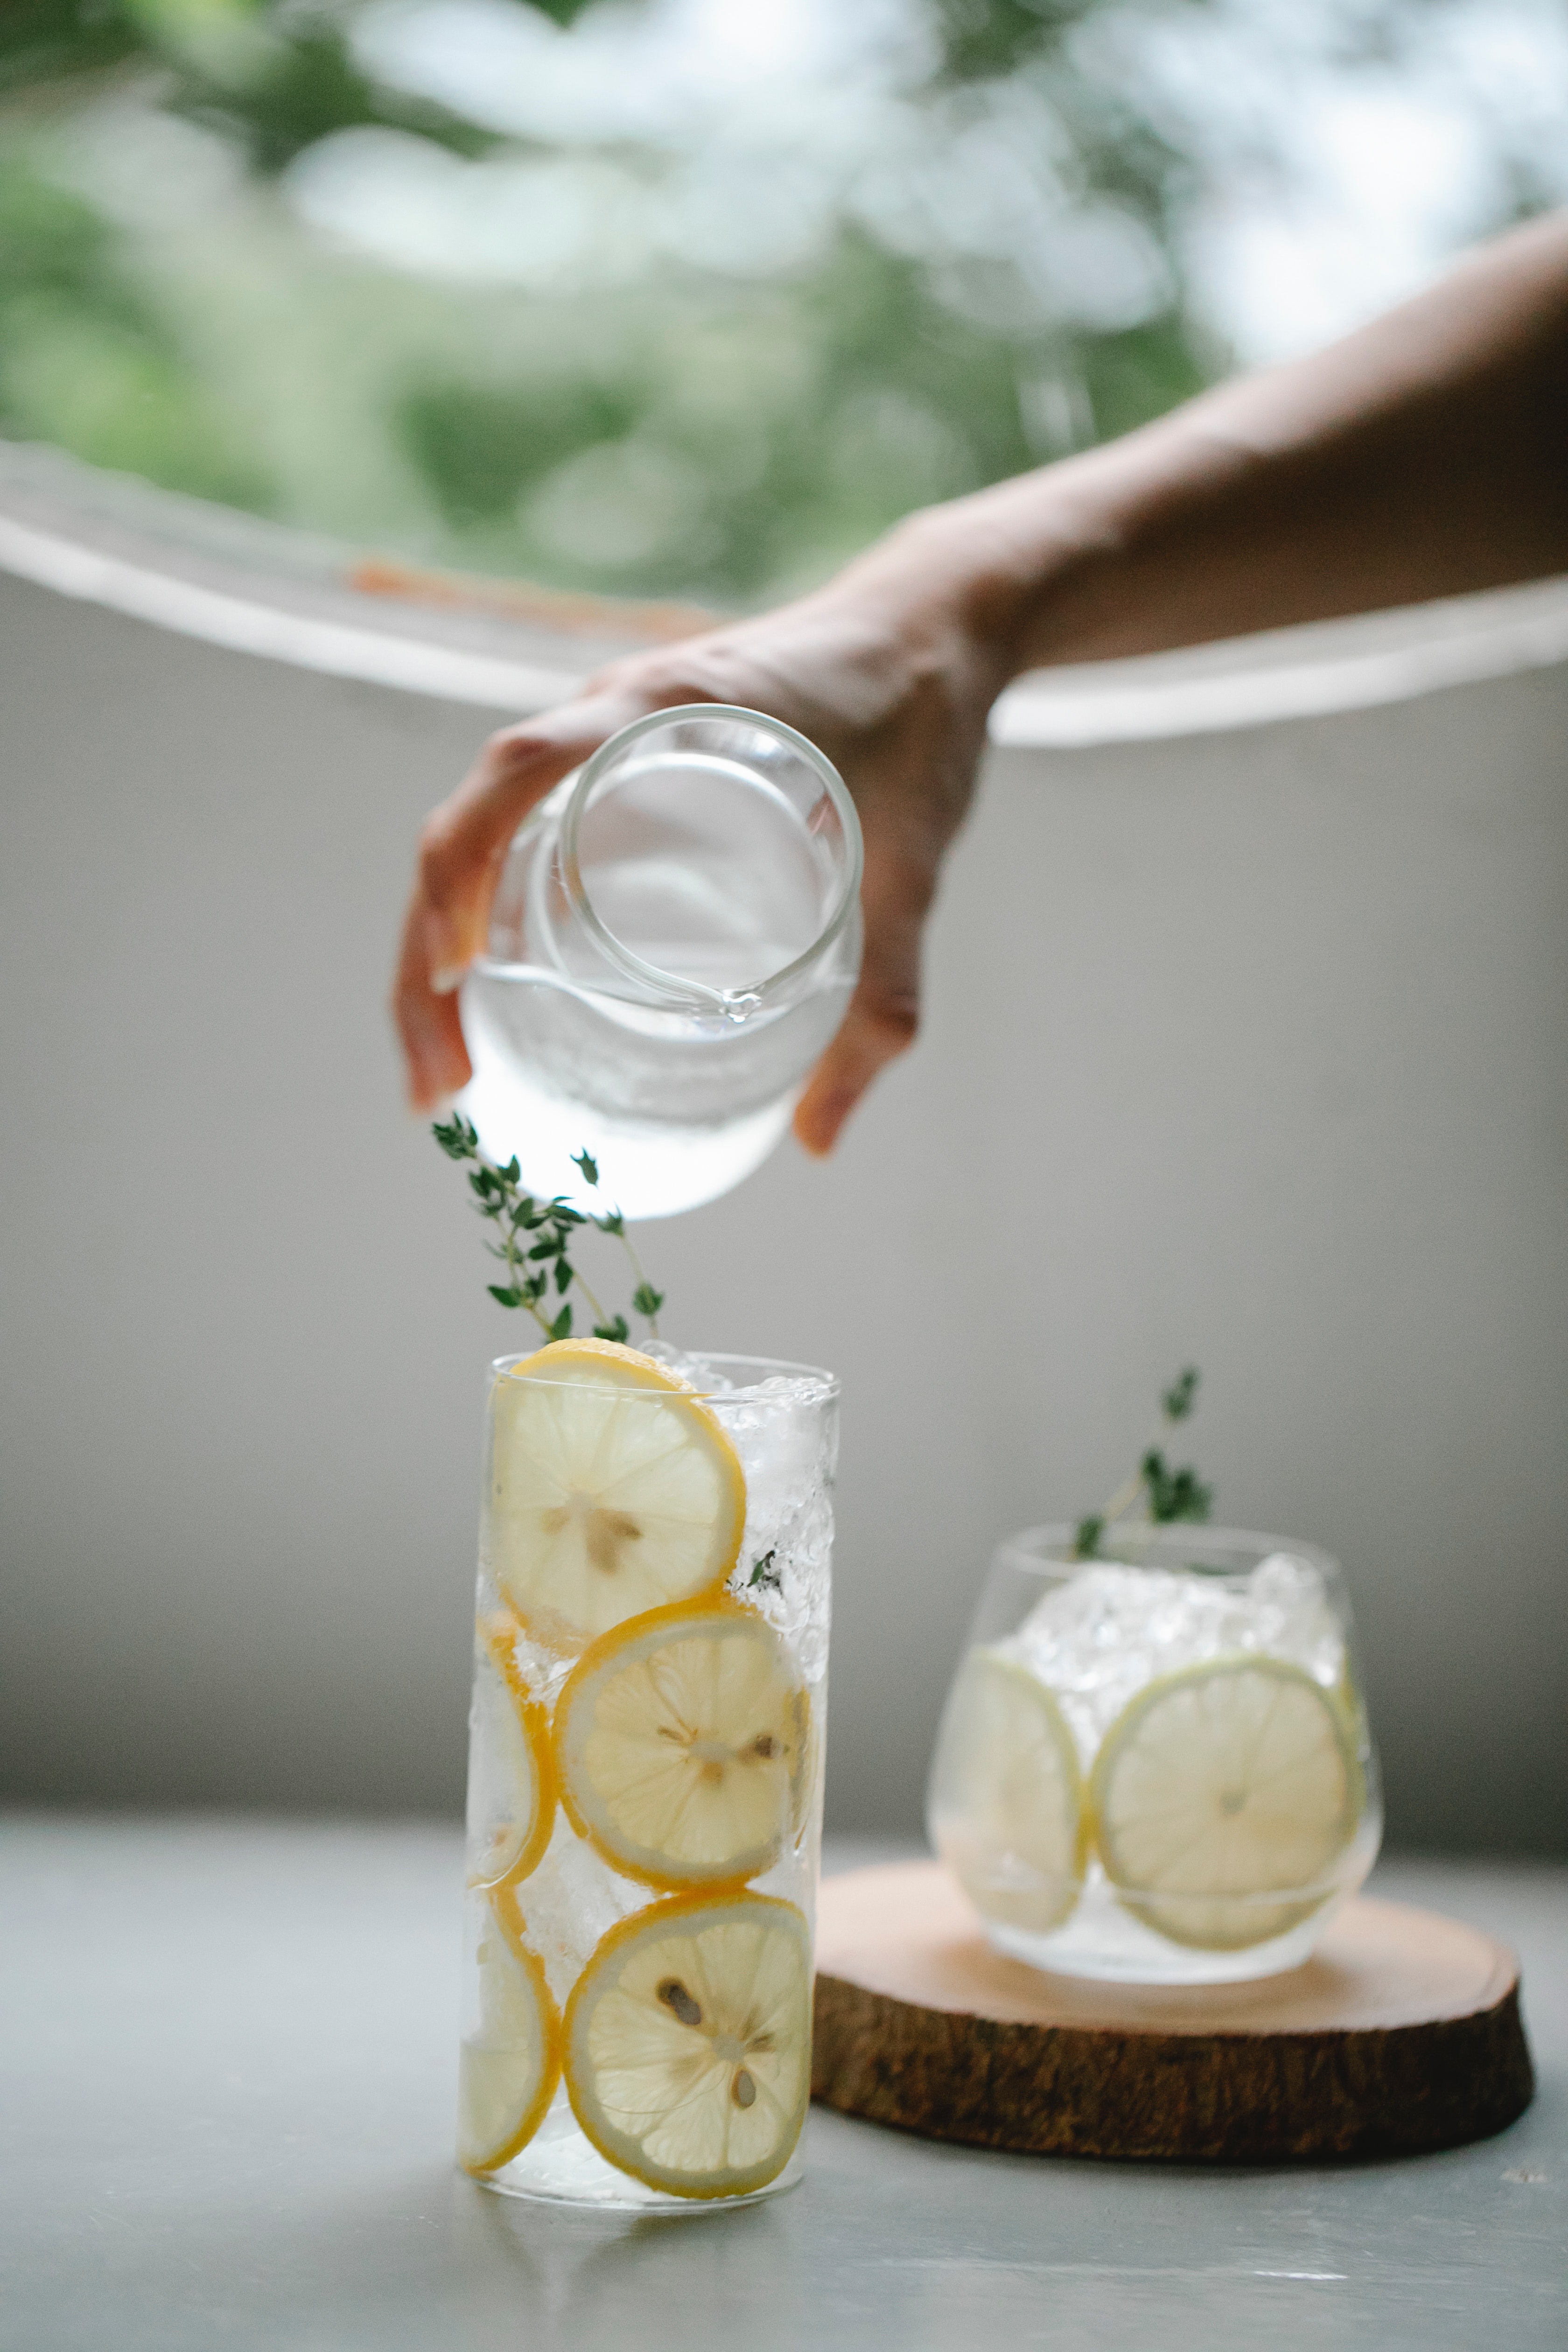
column 1401, row 2033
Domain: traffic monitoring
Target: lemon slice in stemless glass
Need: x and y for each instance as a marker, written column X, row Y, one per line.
column 512, row 1776
column 1007, row 1813
column 1223, row 1797
column 507, row 2069
column 681, row 1742
column 613, row 1491
column 689, row 2044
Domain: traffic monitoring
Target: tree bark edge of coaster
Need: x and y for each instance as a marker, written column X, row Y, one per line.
column 1428, row 2052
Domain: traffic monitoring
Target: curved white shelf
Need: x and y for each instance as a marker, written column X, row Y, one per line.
column 256, row 589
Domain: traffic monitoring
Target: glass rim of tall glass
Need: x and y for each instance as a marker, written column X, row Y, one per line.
column 765, row 1368
column 674, row 987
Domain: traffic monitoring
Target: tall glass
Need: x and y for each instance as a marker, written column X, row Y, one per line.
column 645, row 1779
column 674, row 939
column 1158, row 1767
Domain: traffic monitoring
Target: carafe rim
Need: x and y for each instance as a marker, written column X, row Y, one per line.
column 674, row 988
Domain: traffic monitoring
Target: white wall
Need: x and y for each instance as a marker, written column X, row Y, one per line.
column 1246, row 1048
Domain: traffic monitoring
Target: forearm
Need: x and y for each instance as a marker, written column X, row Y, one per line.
column 1425, row 456
column 1419, row 458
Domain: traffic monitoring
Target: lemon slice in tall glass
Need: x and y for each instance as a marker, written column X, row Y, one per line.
column 687, row 2050
column 511, row 1782
column 682, row 1743
column 510, row 2065
column 613, row 1491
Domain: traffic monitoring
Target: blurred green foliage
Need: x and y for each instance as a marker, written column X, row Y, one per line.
column 296, row 255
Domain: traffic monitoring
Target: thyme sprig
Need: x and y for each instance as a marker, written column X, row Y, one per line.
column 646, row 1301
column 1156, row 1492
column 535, row 1240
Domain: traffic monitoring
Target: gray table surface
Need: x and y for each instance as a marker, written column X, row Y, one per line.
column 228, row 2083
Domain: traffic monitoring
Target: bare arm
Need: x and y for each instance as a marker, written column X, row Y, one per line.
column 1422, row 457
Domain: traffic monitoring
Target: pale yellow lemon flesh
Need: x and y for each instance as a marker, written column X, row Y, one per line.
column 681, row 1744
column 510, row 2065
column 1007, row 1813
column 688, row 2051
column 511, row 1776
column 613, row 1491
column 1222, row 1798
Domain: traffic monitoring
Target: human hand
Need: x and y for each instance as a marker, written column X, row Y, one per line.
column 879, row 669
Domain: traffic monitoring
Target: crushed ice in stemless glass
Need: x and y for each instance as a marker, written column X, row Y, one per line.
column 1106, row 1632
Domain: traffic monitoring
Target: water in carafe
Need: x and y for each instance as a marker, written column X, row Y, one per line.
column 673, row 941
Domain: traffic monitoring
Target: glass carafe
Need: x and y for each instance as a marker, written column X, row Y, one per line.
column 673, row 941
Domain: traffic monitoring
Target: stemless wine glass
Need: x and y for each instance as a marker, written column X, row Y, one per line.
column 645, row 1776
column 674, row 939
column 1158, row 1767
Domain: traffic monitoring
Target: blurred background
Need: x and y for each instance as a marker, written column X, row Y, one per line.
column 546, row 324
column 681, row 298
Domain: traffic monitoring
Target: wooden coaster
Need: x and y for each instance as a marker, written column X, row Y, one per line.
column 1401, row 2032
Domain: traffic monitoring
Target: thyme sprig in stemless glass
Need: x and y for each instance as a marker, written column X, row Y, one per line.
column 645, row 1763
column 1155, row 1765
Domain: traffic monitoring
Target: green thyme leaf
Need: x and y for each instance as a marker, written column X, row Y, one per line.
column 456, row 1138
column 1175, row 1493
column 498, row 1196
column 1168, row 1493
